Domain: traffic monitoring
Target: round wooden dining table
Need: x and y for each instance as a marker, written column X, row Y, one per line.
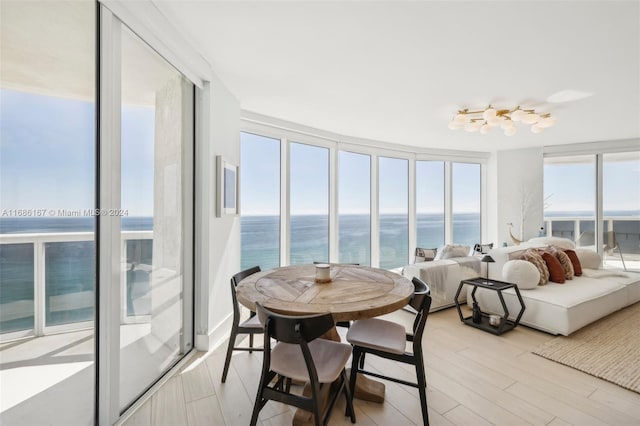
column 355, row 292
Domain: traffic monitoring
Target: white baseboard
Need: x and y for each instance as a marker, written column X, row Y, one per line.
column 217, row 336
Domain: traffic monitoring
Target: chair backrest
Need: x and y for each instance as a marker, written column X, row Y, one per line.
column 234, row 283
column 297, row 330
column 424, row 254
column 243, row 274
column 294, row 329
column 421, row 302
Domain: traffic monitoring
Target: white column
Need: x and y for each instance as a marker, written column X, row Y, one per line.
column 285, row 216
column 375, row 214
column 413, row 229
column 333, row 206
column 109, row 226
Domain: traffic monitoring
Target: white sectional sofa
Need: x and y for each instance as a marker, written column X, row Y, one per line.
column 561, row 308
column 444, row 276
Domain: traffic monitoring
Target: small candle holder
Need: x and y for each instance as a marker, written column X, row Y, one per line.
column 323, row 273
column 494, row 320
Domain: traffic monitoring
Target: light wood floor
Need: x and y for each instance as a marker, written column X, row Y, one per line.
column 474, row 378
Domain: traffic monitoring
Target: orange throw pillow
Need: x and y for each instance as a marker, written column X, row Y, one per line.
column 577, row 267
column 556, row 272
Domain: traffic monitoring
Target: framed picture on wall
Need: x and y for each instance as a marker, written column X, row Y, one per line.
column 227, row 180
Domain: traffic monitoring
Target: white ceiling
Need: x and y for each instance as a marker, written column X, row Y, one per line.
column 397, row 71
column 57, row 56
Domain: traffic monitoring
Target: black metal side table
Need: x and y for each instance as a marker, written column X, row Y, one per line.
column 498, row 286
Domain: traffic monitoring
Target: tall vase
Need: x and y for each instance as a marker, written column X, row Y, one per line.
column 476, row 317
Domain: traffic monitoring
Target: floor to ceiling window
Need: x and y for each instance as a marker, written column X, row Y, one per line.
column 308, row 203
column 354, row 208
column 430, row 203
column 47, row 225
column 306, row 172
column 260, row 201
column 393, row 188
column 571, row 203
column 465, row 203
column 621, row 209
column 570, row 197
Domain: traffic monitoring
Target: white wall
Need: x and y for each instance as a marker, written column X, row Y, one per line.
column 519, row 194
column 217, row 239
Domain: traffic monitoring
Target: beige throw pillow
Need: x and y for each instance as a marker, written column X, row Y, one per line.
column 534, row 257
column 521, row 273
column 589, row 259
column 566, row 264
column 453, row 250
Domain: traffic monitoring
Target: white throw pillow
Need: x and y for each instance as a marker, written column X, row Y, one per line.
column 522, row 273
column 588, row 258
column 452, row 250
column 559, row 242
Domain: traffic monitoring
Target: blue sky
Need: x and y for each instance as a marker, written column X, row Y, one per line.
column 47, row 154
column 571, row 187
column 47, row 161
column 309, row 192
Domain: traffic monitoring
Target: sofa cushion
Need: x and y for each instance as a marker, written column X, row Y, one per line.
column 534, row 257
column 425, row 254
column 522, row 273
column 562, row 243
column 566, row 264
column 577, row 268
column 452, row 250
column 556, row 273
column 588, row 258
column 482, row 248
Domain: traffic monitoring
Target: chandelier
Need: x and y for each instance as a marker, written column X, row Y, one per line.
column 485, row 119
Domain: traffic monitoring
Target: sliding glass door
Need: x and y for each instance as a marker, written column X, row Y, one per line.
column 95, row 290
column 156, row 202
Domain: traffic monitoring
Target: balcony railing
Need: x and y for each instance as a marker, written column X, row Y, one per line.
column 47, row 281
column 626, row 228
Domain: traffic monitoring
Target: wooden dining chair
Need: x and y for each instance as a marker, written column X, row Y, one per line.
column 250, row 326
column 388, row 340
column 301, row 355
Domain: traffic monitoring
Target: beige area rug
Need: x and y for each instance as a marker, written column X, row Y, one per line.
column 608, row 349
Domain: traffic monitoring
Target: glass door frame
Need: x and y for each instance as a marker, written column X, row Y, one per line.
column 108, row 233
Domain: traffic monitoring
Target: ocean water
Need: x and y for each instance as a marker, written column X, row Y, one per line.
column 260, row 238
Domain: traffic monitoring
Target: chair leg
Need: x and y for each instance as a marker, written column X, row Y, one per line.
column 422, row 388
column 256, row 408
column 362, row 360
column 316, row 407
column 355, row 358
column 250, row 342
column 264, row 381
column 349, row 397
column 227, row 361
